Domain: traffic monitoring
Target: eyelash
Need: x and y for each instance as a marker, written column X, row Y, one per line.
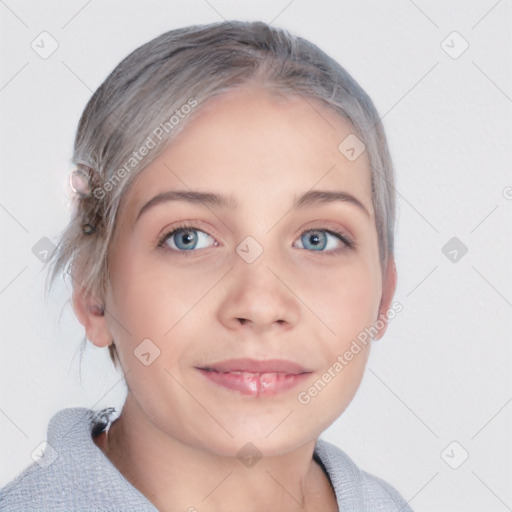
column 349, row 244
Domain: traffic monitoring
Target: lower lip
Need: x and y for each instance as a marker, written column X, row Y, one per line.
column 255, row 384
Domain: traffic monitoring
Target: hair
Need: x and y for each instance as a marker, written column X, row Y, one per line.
column 149, row 98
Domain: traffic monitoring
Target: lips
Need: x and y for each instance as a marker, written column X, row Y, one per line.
column 254, row 377
column 257, row 366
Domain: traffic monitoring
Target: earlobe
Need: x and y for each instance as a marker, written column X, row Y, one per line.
column 91, row 315
column 388, row 292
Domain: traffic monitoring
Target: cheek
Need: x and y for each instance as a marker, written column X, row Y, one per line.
column 345, row 297
column 152, row 298
column 348, row 304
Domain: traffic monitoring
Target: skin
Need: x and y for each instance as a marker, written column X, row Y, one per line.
column 298, row 303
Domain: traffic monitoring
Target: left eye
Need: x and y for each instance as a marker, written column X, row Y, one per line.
column 318, row 240
column 187, row 238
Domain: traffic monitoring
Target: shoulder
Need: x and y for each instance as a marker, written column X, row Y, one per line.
column 43, row 481
column 356, row 489
column 32, row 488
column 71, row 472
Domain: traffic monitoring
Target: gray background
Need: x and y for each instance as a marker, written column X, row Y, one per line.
column 442, row 372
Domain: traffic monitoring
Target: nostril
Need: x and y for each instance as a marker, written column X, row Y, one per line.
column 242, row 320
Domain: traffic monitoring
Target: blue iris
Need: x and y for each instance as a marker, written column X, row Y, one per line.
column 317, row 238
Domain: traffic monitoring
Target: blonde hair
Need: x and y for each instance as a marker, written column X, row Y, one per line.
column 144, row 99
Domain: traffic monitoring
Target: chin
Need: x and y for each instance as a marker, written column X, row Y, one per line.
column 270, row 436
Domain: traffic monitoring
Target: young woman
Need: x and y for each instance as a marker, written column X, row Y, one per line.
column 232, row 245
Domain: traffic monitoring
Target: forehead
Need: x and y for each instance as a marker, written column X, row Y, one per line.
column 256, row 146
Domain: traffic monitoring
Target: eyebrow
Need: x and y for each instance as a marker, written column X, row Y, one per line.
column 308, row 199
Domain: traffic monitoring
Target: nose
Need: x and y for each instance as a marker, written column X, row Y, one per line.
column 259, row 298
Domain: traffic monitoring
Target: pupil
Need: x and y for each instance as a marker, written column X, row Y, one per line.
column 187, row 237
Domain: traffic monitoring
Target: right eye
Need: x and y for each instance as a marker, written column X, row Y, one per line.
column 184, row 238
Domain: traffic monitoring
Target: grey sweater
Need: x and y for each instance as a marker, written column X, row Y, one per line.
column 74, row 474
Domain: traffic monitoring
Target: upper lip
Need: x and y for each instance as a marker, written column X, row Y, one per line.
column 257, row 366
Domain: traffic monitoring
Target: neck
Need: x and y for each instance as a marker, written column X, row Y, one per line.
column 174, row 475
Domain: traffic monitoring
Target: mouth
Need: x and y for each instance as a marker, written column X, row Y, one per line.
column 255, row 378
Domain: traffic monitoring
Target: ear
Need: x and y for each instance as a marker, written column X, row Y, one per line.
column 388, row 291
column 90, row 314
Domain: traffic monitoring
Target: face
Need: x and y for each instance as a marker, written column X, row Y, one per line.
column 254, row 277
